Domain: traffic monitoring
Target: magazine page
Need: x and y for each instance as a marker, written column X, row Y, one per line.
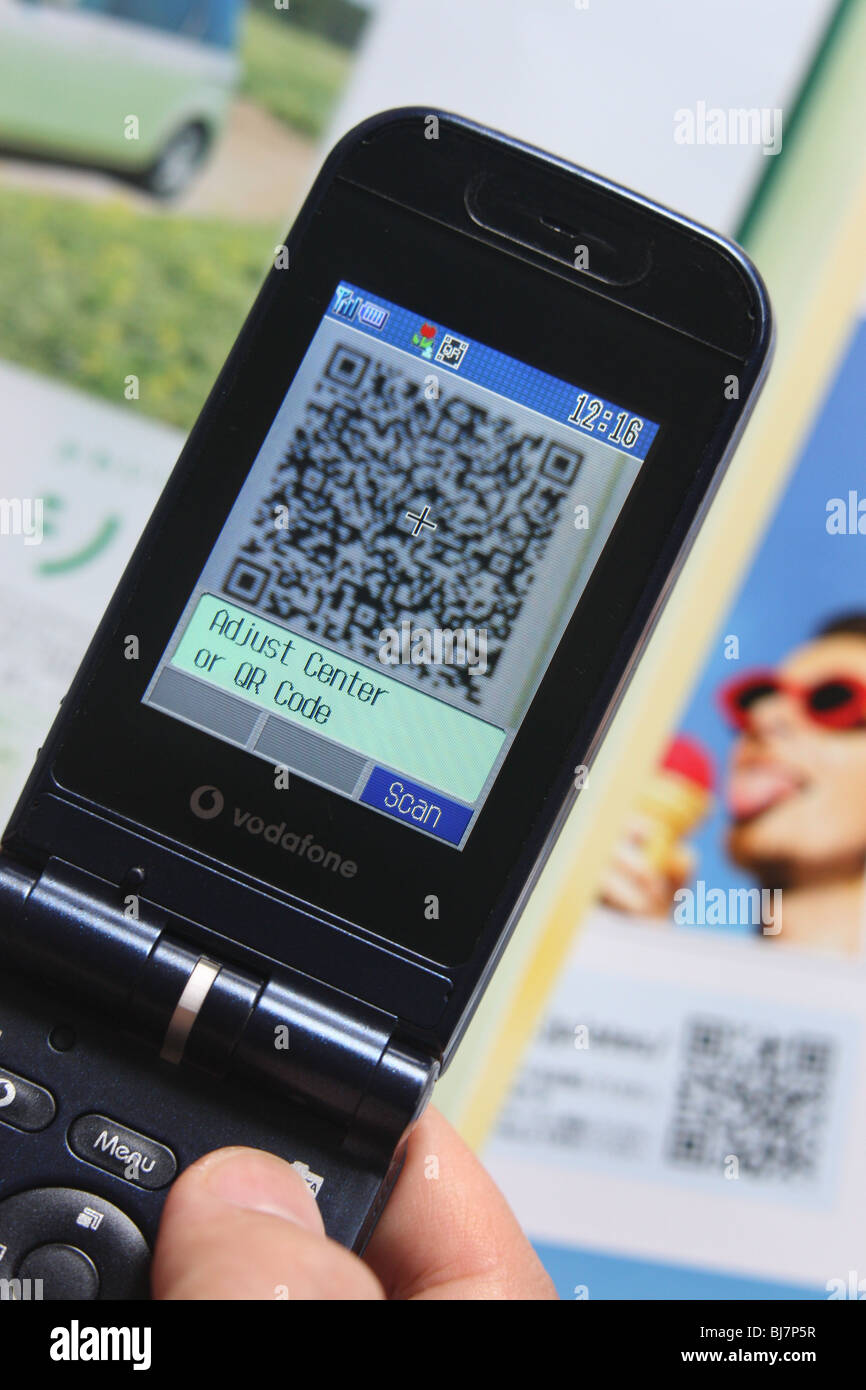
column 690, row 1119
column 627, row 89
column 806, row 235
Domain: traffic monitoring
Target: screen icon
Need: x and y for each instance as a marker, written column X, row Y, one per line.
column 347, row 303
column 452, row 351
column 88, row 1218
column 423, row 339
column 373, row 316
column 313, row 1180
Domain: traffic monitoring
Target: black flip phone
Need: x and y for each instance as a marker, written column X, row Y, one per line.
column 340, row 704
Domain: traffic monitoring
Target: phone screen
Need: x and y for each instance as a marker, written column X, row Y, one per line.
column 388, row 589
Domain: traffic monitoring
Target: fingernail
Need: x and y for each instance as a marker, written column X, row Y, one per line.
column 261, row 1182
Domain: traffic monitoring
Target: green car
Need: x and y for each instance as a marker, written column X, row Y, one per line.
column 137, row 86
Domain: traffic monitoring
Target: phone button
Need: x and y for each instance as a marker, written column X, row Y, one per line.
column 121, row 1151
column 23, row 1104
column 416, row 805
column 64, row 1272
column 52, row 1218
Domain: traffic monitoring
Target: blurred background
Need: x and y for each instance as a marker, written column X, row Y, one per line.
column 152, row 151
column 672, row 1096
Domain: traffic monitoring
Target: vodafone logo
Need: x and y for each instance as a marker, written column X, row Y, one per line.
column 206, row 802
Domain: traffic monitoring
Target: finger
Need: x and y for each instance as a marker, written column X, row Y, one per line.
column 637, row 829
column 681, row 867
column 242, row 1224
column 633, row 859
column 447, row 1231
column 619, row 891
column 622, row 890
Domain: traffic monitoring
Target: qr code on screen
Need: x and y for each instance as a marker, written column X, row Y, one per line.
column 369, row 449
column 760, row 1097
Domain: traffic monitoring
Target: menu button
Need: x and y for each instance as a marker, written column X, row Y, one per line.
column 121, row 1151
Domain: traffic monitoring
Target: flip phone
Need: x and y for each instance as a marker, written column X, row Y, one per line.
column 338, row 708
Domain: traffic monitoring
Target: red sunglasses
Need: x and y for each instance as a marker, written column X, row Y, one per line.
column 839, row 702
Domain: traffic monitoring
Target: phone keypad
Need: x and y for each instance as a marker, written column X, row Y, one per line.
column 78, row 1244
column 23, row 1104
column 63, row 1271
column 121, row 1151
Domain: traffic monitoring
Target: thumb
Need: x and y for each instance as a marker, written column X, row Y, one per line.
column 242, row 1224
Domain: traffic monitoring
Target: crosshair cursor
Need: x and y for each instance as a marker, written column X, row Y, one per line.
column 421, row 521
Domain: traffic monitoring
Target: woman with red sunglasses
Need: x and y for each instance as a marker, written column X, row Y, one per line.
column 795, row 794
column 796, row 790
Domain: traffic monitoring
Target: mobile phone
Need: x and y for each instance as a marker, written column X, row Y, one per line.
column 339, row 706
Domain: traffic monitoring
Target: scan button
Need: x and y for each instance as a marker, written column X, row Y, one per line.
column 416, row 805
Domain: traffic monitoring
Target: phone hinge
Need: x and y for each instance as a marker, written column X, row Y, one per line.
column 103, row 944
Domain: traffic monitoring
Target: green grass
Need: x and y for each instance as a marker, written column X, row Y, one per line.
column 295, row 75
column 91, row 293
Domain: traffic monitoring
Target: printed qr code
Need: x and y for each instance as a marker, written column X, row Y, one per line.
column 759, row 1097
column 369, row 448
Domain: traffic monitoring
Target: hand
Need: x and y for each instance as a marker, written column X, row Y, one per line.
column 242, row 1224
column 630, row 883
